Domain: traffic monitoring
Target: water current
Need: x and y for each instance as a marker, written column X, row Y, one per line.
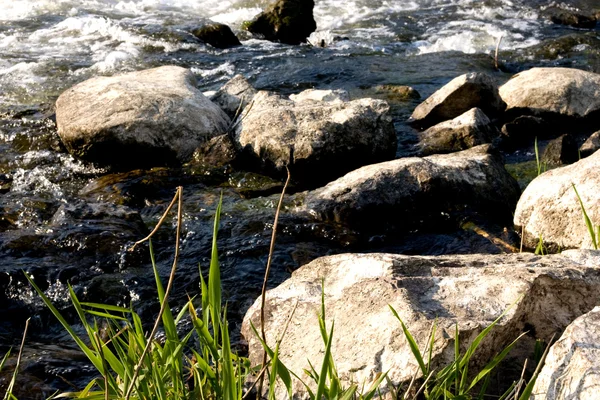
column 62, row 220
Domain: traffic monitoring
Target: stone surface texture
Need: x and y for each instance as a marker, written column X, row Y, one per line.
column 565, row 92
column 318, row 140
column 411, row 192
column 550, row 208
column 590, row 146
column 463, row 132
column 457, row 97
column 541, row 294
column 234, row 96
column 217, row 35
column 572, row 368
column 142, row 118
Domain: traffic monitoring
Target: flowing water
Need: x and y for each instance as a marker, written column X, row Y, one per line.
column 66, row 221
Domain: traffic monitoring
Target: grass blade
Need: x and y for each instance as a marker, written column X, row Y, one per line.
column 414, row 348
column 588, row 221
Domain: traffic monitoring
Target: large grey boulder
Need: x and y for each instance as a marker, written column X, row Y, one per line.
column 469, row 292
column 410, row 193
column 234, row 95
column 553, row 92
column 144, row 118
column 317, row 140
column 549, row 207
column 572, row 365
column 458, row 96
column 285, row 21
column 463, row 132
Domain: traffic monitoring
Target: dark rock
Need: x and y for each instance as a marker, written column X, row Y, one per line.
column 574, row 19
column 286, row 21
column 138, row 119
column 234, row 96
column 217, row 35
column 216, row 153
column 523, row 130
column 419, row 193
column 463, row 132
column 560, row 151
column 590, row 146
column 457, row 97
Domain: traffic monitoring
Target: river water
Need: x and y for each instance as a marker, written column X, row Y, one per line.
column 66, row 221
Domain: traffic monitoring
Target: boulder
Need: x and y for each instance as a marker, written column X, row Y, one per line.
column 463, row 291
column 410, row 193
column 217, row 152
column 234, row 96
column 217, row 35
column 285, row 21
column 560, row 151
column 457, row 97
column 553, row 93
column 572, row 365
column 138, row 119
column 549, row 207
column 590, row 146
column 317, row 140
column 463, row 132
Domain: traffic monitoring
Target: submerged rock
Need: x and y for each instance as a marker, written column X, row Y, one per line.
column 410, row 193
column 553, row 92
column 549, row 208
column 541, row 295
column 590, row 146
column 398, row 92
column 574, row 19
column 285, row 21
column 572, row 364
column 523, row 130
column 317, row 140
column 457, row 97
column 217, row 35
column 234, row 96
column 138, row 119
column 463, row 132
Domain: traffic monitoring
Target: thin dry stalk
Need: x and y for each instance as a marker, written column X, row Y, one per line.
column 521, row 380
column 496, row 65
column 237, row 114
column 8, row 393
column 263, row 297
column 179, row 196
column 160, row 222
column 104, row 367
column 522, row 238
column 241, row 118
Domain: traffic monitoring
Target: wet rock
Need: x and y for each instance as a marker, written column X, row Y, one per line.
column 419, row 193
column 336, row 95
column 467, row 291
column 572, row 364
column 549, row 207
column 457, row 97
column 145, row 118
column 217, row 35
column 560, row 151
column 285, row 21
column 317, row 140
column 217, row 152
column 398, row 92
column 463, row 132
column 553, row 93
column 234, row 96
column 523, row 130
column 573, row 19
column 590, row 146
